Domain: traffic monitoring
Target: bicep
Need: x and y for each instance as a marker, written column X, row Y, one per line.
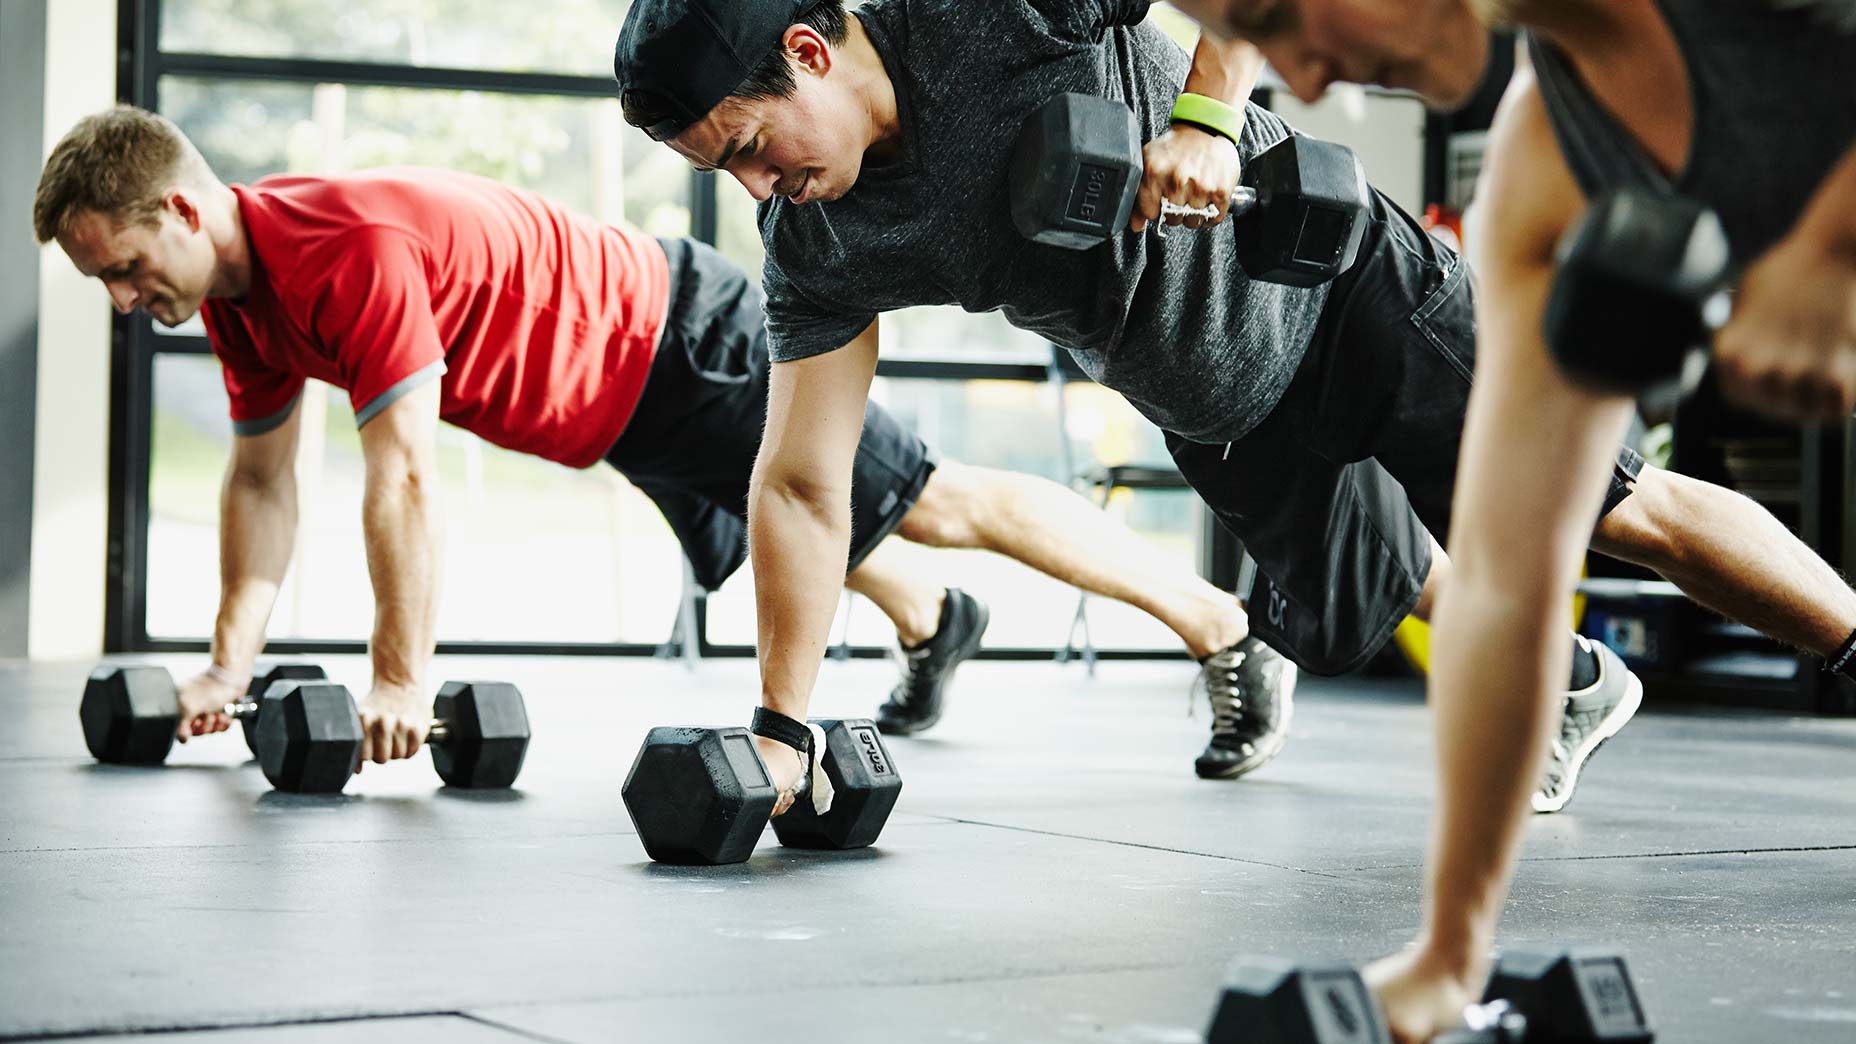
column 1526, row 199
column 1522, row 408
column 815, row 410
column 403, row 436
column 266, row 457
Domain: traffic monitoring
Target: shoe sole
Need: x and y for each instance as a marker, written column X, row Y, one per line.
column 893, row 729
column 1614, row 723
column 947, row 678
column 1264, row 755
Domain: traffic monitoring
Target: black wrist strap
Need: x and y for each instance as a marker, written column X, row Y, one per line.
column 1839, row 661
column 782, row 729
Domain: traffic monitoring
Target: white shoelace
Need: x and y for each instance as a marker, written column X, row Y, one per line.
column 1226, row 703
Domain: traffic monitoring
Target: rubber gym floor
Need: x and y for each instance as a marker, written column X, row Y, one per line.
column 1053, row 872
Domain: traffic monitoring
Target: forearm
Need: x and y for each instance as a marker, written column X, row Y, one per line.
column 405, row 542
column 1500, row 644
column 1227, row 70
column 799, row 541
column 1492, row 736
column 1831, row 216
column 257, row 529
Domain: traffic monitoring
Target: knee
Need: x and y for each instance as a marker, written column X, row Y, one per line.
column 947, row 511
column 1645, row 528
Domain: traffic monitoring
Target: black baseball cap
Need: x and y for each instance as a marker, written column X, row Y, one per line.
column 688, row 55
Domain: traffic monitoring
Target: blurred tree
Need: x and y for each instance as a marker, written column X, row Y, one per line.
column 565, row 36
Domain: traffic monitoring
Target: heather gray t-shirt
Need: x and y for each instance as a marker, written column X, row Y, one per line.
column 1173, row 324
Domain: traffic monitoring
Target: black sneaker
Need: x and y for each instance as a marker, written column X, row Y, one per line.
column 1592, row 715
column 915, row 704
column 1252, row 692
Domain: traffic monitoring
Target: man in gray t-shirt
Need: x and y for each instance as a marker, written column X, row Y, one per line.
column 1320, row 425
column 1173, row 323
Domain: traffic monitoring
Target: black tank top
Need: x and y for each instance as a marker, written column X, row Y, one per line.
column 1774, row 108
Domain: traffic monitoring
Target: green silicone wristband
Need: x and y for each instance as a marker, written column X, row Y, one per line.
column 1209, row 114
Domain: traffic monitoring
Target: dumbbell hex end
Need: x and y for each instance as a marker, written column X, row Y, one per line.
column 698, row 796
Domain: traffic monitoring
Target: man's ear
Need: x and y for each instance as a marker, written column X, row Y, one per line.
column 807, row 49
column 184, row 207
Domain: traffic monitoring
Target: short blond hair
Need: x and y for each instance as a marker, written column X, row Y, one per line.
column 1494, row 13
column 119, row 162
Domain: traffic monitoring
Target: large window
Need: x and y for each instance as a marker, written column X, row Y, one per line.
column 511, row 92
column 576, row 151
column 538, row 556
column 549, row 36
column 535, row 552
column 1011, row 425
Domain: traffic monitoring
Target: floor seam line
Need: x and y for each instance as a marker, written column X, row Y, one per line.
column 309, row 844
column 1149, row 847
column 515, row 1030
column 783, row 988
column 228, row 1027
column 1783, row 850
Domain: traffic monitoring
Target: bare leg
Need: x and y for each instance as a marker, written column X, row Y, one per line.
column 1725, row 552
column 1728, row 553
column 1433, row 583
column 1053, row 530
column 899, row 585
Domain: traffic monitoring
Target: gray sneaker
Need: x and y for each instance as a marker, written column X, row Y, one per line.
column 1251, row 689
column 1592, row 715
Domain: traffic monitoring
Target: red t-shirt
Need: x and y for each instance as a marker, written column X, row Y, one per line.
column 539, row 323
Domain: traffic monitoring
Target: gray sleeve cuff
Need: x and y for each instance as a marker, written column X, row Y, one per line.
column 399, row 391
column 791, row 342
column 264, row 425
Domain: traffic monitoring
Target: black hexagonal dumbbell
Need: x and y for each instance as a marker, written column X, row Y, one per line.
column 479, row 734
column 1641, row 287
column 130, row 714
column 1578, row 996
column 698, row 795
column 1076, row 170
column 864, row 786
column 702, row 796
column 309, row 735
column 260, row 684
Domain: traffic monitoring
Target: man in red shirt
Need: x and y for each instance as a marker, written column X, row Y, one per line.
column 429, row 296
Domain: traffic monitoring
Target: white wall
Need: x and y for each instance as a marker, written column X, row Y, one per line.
column 71, row 459
column 1385, row 130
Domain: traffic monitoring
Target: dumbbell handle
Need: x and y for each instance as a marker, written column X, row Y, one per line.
column 1243, row 199
column 440, row 732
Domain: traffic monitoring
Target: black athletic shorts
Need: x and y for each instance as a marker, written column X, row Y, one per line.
column 690, row 445
column 1336, row 492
